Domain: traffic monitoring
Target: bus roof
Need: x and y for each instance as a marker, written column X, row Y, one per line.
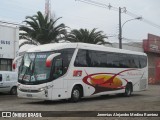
column 57, row 46
column 52, row 47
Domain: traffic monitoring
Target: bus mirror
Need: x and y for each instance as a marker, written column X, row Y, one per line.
column 14, row 62
column 50, row 58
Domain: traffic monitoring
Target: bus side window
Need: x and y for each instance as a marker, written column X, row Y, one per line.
column 0, row 77
column 136, row 61
column 66, row 56
column 80, row 60
column 142, row 61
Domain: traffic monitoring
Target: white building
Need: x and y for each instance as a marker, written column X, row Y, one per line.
column 9, row 45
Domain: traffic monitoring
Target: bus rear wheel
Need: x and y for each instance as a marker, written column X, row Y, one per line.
column 128, row 90
column 76, row 94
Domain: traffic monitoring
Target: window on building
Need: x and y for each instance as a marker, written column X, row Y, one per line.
column 5, row 65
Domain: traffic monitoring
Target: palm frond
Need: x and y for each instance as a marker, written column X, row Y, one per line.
column 40, row 29
column 27, row 42
column 86, row 36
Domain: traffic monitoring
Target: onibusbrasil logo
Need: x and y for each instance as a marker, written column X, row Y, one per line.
column 21, row 114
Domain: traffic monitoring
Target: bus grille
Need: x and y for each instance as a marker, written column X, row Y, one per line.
column 28, row 90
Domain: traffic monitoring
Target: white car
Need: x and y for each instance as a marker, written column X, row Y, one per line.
column 8, row 82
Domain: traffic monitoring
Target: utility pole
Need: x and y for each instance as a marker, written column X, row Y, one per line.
column 120, row 29
column 121, row 10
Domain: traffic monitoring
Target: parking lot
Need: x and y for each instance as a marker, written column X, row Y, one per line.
column 140, row 101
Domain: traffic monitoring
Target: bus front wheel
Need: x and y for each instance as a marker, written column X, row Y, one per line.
column 128, row 90
column 76, row 94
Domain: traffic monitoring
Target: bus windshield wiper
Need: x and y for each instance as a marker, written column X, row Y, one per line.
column 33, row 69
column 26, row 70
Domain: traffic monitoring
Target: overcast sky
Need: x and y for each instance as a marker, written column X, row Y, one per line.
column 76, row 14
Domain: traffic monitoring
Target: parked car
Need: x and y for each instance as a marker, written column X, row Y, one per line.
column 8, row 82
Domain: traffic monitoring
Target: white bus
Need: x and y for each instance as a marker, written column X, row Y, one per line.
column 75, row 70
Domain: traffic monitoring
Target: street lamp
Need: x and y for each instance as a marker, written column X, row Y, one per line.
column 120, row 29
column 138, row 18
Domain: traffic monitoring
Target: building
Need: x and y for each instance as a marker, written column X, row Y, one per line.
column 9, row 45
column 151, row 46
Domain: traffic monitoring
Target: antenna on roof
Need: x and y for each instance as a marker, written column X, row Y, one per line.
column 48, row 8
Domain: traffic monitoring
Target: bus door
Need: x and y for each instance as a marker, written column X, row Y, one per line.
column 57, row 72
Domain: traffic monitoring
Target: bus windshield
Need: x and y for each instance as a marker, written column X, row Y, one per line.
column 33, row 68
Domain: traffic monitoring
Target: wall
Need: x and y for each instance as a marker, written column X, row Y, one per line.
column 9, row 41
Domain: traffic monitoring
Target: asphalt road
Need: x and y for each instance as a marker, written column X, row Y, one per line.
column 140, row 101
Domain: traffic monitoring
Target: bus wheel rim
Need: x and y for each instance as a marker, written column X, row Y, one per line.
column 76, row 94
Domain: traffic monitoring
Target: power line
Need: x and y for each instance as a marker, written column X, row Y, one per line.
column 143, row 19
column 102, row 5
column 132, row 40
column 111, row 35
column 151, row 23
column 4, row 22
column 110, row 7
column 84, row 1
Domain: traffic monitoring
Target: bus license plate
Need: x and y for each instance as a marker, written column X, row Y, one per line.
column 29, row 95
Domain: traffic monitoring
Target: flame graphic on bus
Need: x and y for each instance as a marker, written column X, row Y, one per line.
column 105, row 81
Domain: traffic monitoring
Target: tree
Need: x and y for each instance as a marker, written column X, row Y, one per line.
column 40, row 30
column 86, row 36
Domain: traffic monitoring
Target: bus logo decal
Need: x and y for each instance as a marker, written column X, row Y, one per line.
column 77, row 73
column 105, row 81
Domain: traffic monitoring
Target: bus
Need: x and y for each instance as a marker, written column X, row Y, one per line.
column 75, row 70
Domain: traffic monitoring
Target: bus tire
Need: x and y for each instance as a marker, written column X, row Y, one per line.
column 13, row 90
column 76, row 94
column 128, row 90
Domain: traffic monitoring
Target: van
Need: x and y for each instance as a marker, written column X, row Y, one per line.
column 8, row 82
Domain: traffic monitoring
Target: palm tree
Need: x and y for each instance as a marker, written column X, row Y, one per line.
column 41, row 30
column 86, row 36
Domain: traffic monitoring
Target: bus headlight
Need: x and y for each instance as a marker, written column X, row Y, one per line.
column 41, row 89
column 18, row 86
column 45, row 88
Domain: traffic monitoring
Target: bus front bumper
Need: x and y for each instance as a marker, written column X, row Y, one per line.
column 43, row 95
